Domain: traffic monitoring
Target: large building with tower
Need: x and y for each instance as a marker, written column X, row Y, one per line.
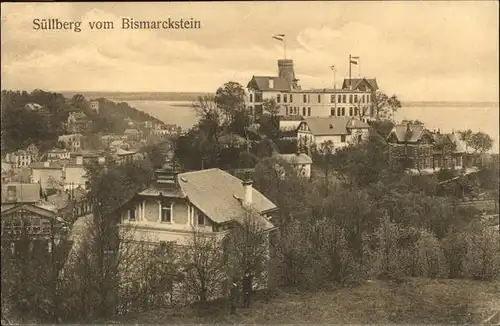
column 354, row 99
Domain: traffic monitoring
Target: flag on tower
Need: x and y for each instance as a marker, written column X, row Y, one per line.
column 332, row 67
column 279, row 37
column 354, row 60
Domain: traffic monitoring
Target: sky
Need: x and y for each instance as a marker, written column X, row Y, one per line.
column 420, row 51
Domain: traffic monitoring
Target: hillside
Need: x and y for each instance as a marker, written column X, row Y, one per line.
column 414, row 301
column 24, row 123
column 140, row 96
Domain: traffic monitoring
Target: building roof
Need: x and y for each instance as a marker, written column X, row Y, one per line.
column 449, row 139
column 59, row 200
column 372, row 82
column 232, row 139
column 46, row 165
column 301, row 158
column 262, row 83
column 326, row 126
column 20, row 192
column 58, row 150
column 214, row 192
column 407, row 132
column 33, row 106
column 131, row 131
column 122, row 152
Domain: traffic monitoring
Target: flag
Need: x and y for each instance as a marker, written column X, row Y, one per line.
column 332, row 67
column 279, row 37
column 354, row 60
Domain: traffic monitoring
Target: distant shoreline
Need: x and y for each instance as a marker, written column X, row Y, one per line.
column 193, row 96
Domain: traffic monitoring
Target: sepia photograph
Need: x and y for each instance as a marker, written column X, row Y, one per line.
column 269, row 162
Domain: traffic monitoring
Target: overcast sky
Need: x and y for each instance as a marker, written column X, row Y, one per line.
column 418, row 50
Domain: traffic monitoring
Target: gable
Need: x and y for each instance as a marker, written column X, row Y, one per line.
column 18, row 210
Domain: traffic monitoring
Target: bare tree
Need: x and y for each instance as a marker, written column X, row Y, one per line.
column 203, row 263
column 247, row 248
column 324, row 157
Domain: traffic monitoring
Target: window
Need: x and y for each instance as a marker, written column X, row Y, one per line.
column 350, row 111
column 201, row 219
column 339, row 111
column 355, row 98
column 131, row 214
column 339, row 99
column 286, row 110
column 356, row 111
column 303, row 111
column 342, row 138
column 308, row 98
column 343, row 112
column 309, row 111
column 344, row 97
column 166, row 212
column 319, row 98
column 332, row 111
column 332, row 98
column 284, row 98
column 251, row 98
column 305, row 98
column 278, row 98
column 350, row 98
column 291, row 98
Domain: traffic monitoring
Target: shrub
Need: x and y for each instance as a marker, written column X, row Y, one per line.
column 482, row 260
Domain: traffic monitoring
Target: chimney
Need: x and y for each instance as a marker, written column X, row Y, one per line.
column 286, row 71
column 271, row 83
column 79, row 160
column 247, row 192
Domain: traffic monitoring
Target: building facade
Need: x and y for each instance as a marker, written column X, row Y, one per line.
column 207, row 201
column 352, row 100
column 73, row 142
column 419, row 149
column 341, row 131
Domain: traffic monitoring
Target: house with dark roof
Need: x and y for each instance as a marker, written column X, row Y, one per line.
column 208, row 201
column 294, row 100
column 342, row 131
column 362, row 84
column 418, row 149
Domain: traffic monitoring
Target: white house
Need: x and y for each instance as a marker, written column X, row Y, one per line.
column 342, row 131
column 354, row 99
column 58, row 154
column 209, row 201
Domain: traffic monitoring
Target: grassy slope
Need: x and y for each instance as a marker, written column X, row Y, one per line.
column 412, row 301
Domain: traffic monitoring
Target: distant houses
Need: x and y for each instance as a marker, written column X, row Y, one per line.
column 23, row 157
column 73, row 142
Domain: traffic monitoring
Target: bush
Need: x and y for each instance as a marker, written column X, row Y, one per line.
column 482, row 261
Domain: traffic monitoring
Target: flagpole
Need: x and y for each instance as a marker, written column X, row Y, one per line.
column 350, row 83
column 284, row 47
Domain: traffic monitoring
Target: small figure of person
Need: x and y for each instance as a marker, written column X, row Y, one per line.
column 234, row 295
column 247, row 289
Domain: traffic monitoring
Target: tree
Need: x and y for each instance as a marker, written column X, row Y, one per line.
column 480, row 142
column 324, row 157
column 465, row 136
column 203, row 263
column 247, row 247
column 230, row 98
column 270, row 106
column 383, row 127
column 385, row 106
